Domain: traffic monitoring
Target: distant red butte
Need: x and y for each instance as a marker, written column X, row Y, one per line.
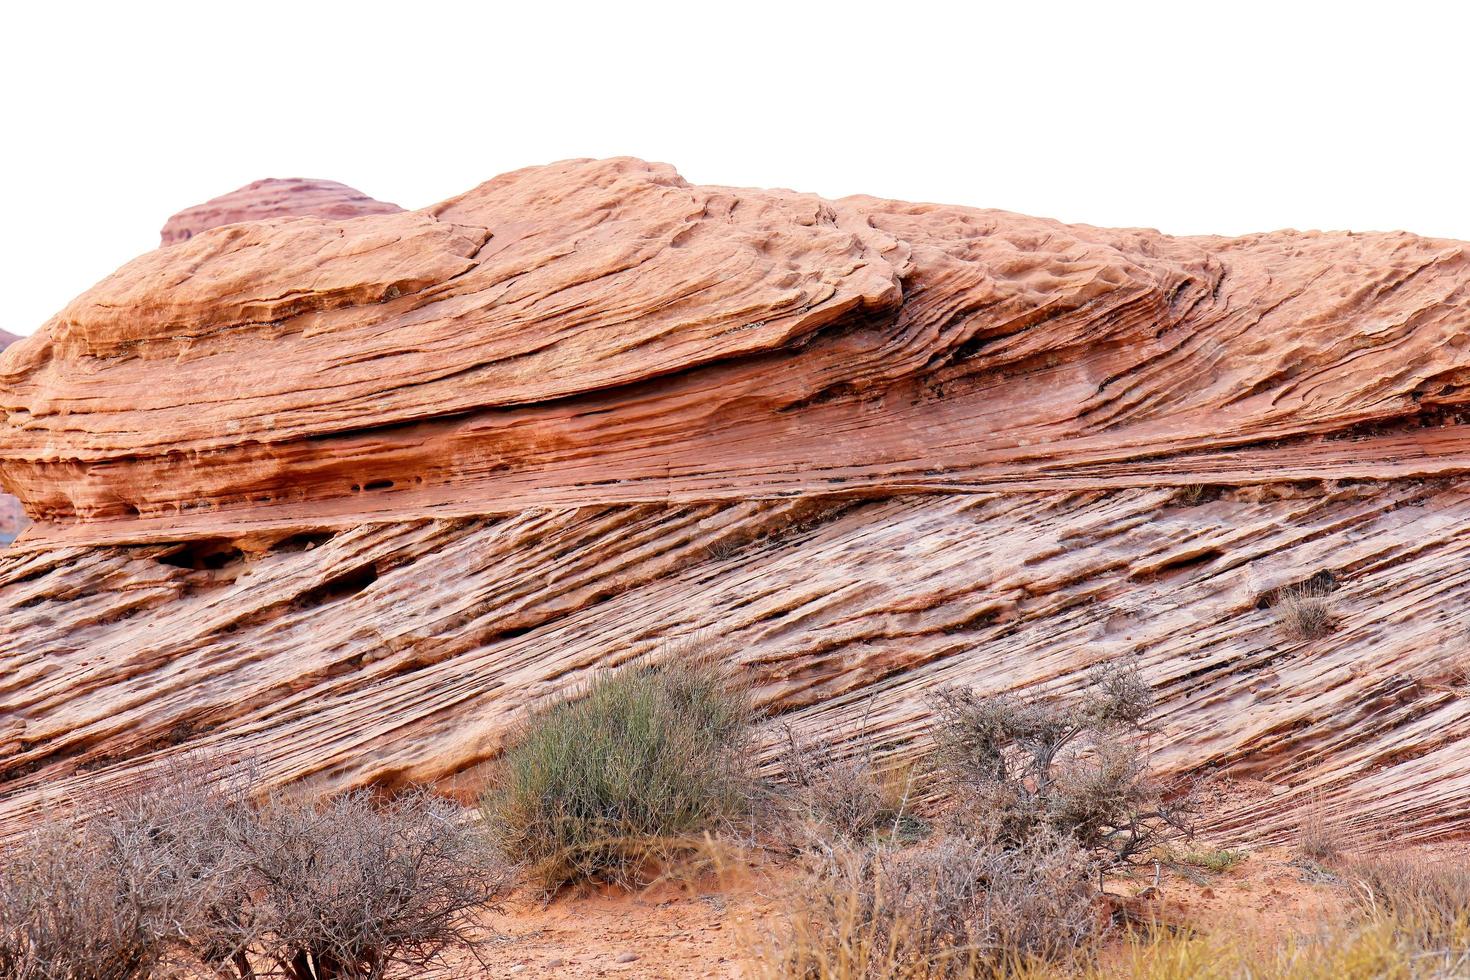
column 273, row 198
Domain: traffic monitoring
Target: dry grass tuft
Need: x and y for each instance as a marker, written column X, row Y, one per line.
column 1412, row 922
column 1306, row 611
column 1457, row 671
column 1429, row 902
column 1194, row 494
column 950, row 909
column 1320, row 838
column 1372, row 951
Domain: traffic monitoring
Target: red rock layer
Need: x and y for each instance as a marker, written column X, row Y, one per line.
column 350, row 494
column 273, row 198
column 12, row 516
column 598, row 332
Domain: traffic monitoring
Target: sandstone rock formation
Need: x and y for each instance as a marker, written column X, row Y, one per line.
column 273, row 198
column 12, row 517
column 348, row 494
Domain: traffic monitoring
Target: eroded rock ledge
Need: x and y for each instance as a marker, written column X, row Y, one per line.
column 348, row 493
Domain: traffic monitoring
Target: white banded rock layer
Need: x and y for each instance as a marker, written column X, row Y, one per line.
column 392, row 653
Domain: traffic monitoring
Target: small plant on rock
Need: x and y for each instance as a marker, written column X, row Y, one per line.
column 1457, row 670
column 1305, row 611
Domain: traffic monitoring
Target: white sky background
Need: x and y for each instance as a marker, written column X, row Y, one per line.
column 1220, row 117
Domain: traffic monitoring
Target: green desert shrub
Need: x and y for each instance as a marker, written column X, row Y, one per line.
column 1218, row 861
column 625, row 774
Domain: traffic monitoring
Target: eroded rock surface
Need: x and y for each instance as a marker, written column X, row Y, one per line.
column 348, row 494
column 12, row 516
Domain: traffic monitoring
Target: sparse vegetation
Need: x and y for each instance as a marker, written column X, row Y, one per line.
column 628, row 773
column 1045, row 796
column 1427, row 901
column 186, row 875
column 1218, row 861
column 1411, row 922
column 1305, row 611
column 1021, row 766
column 1319, row 837
column 956, row 908
column 196, row 875
column 848, row 798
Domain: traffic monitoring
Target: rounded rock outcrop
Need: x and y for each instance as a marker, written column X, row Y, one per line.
column 273, row 198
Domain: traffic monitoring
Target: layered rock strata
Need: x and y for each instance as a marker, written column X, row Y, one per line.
column 348, row 494
column 12, row 516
